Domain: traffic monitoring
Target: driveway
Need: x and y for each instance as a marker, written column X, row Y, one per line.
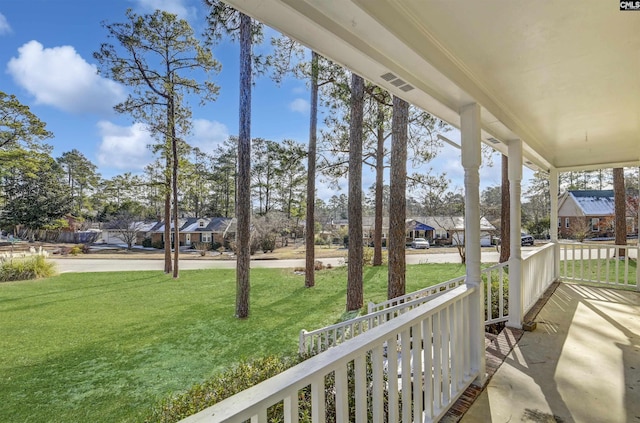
column 72, row 264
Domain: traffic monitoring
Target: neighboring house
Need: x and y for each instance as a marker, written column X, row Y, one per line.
column 591, row 210
column 194, row 230
column 438, row 229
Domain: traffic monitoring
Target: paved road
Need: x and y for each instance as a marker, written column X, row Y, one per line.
column 110, row 265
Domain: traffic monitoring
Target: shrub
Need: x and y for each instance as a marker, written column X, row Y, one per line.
column 147, row 243
column 268, row 243
column 215, row 246
column 242, row 376
column 158, row 244
column 75, row 250
column 250, row 373
column 20, row 269
column 367, row 256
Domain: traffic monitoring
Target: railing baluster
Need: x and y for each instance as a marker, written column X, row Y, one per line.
column 446, row 348
column 418, row 370
column 599, row 265
column 607, row 266
column 378, row 384
column 360, row 393
column 392, row 372
column 427, row 354
column 626, row 266
column 318, row 413
column 501, row 293
column 291, row 408
column 342, row 395
column 405, row 359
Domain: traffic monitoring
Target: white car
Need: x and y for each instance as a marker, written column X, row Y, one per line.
column 420, row 243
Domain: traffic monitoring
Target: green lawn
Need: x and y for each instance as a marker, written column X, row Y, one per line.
column 105, row 347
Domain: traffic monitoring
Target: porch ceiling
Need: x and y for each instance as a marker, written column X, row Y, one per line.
column 562, row 76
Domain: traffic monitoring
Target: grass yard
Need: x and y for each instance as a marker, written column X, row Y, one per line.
column 106, row 347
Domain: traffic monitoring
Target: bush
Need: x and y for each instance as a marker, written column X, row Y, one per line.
column 158, row 244
column 19, row 269
column 75, row 250
column 367, row 256
column 250, row 373
column 268, row 243
column 243, row 376
column 147, row 243
column 215, row 246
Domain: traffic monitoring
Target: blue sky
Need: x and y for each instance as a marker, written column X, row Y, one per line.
column 46, row 57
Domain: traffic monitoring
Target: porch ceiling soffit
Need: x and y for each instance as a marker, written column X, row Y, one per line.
column 562, row 78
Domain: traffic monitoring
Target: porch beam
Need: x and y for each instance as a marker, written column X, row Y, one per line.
column 515, row 256
column 470, row 127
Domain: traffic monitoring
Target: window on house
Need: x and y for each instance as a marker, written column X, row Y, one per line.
column 566, row 222
column 206, row 237
column 201, row 223
column 559, row 223
column 595, row 222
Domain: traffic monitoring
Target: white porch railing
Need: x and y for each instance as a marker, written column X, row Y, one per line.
column 496, row 287
column 316, row 341
column 599, row 264
column 416, row 365
column 496, row 293
column 538, row 273
column 429, row 291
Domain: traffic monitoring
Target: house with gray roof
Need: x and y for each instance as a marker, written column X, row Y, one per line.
column 592, row 209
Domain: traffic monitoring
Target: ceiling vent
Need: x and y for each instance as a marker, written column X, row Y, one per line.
column 397, row 82
column 388, row 76
column 528, row 162
column 493, row 141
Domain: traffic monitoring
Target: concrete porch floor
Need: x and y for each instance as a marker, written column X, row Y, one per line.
column 581, row 364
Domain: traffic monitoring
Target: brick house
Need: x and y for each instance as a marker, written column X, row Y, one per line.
column 194, row 230
column 592, row 211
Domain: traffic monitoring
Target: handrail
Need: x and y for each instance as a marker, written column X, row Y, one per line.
column 430, row 290
column 434, row 337
column 318, row 340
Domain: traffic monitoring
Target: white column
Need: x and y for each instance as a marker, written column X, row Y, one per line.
column 516, row 307
column 471, row 159
column 554, row 187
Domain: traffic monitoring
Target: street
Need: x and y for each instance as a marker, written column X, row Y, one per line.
column 65, row 265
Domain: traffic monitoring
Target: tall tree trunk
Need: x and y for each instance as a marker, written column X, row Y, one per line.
column 167, row 212
column 505, row 213
column 174, row 189
column 310, row 235
column 377, row 225
column 243, row 207
column 398, row 204
column 620, row 209
column 355, row 294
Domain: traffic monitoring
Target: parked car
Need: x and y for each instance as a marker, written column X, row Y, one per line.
column 419, row 243
column 526, row 239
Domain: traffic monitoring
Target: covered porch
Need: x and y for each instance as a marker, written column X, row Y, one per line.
column 581, row 364
column 552, row 85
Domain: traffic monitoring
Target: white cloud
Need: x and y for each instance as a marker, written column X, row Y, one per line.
column 60, row 77
column 299, row 105
column 124, row 147
column 207, row 134
column 177, row 7
column 5, row 28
